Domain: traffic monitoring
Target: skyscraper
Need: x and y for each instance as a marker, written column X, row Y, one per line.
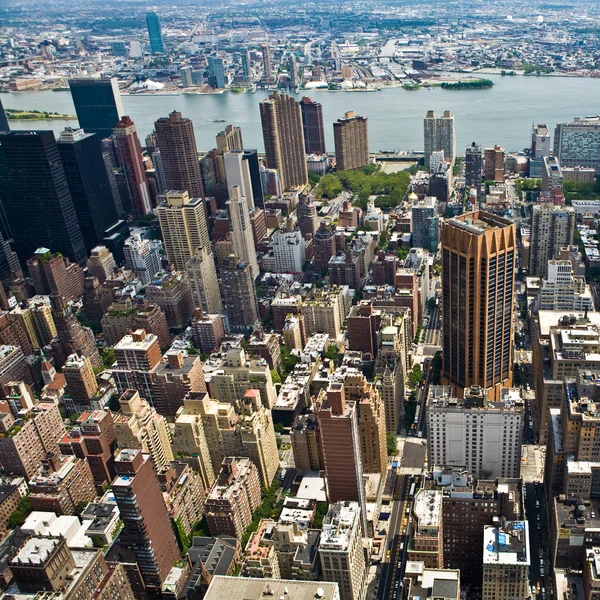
column 493, row 163
column 251, row 157
column 246, row 67
column 241, row 230
column 312, row 124
column 216, row 73
column 154, row 33
column 97, row 104
column 237, row 173
column 266, row 54
column 239, row 297
column 473, row 168
column 577, row 143
column 425, row 224
column 81, row 155
column 552, row 228
column 183, row 225
column 129, row 152
column 351, row 138
column 3, row 120
column 147, row 532
column 338, row 420
column 37, row 203
column 284, row 139
column 439, row 134
column 203, row 280
column 478, row 273
column 178, row 153
column 229, row 139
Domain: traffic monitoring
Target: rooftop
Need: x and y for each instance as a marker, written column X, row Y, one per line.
column 341, row 520
column 258, row 589
column 506, row 544
column 428, row 507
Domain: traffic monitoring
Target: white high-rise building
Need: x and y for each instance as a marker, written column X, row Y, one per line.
column 341, row 551
column 562, row 290
column 439, row 134
column 142, row 257
column 237, row 173
column 241, row 230
column 289, row 249
column 482, row 435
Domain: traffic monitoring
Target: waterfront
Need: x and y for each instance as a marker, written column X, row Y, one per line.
column 500, row 115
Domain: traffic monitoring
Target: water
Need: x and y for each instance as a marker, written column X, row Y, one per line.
column 500, row 115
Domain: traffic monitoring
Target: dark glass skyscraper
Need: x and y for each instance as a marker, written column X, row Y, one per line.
column 255, row 179
column 83, row 163
column 216, row 73
column 35, row 196
column 97, row 104
column 154, row 33
column 3, row 120
column 312, row 123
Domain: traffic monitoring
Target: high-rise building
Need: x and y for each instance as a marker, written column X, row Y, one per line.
column 143, row 257
column 338, row 421
column 312, row 123
column 129, row 152
column 474, row 168
column 552, row 228
column 178, row 154
column 493, row 164
column 207, row 330
column 147, row 532
column 183, row 224
column 351, row 138
column 23, row 447
column 101, row 263
column 83, row 163
column 577, row 143
column 55, row 274
column 37, row 203
column 241, row 230
column 305, row 436
column 237, row 174
column 202, row 276
column 306, row 214
column 552, row 175
column 541, row 141
column 425, row 224
column 251, row 157
column 283, row 135
column 562, row 290
column 324, row 245
column 136, row 356
column 172, row 293
column 238, row 294
column 289, row 249
column 267, row 69
column 439, row 135
column 478, row 278
column 97, row 104
column 233, row 498
column 154, row 33
column 175, row 377
column 494, row 449
column 82, row 386
column 427, row 543
column 3, row 120
column 229, row 139
column 246, row 65
column 216, row 72
column 294, row 76
column 341, row 551
column 506, row 561
column 138, row 425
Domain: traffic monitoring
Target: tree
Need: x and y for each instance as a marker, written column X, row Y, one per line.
column 108, row 357
column 275, row 376
column 392, row 443
column 416, row 376
column 15, row 519
column 288, row 362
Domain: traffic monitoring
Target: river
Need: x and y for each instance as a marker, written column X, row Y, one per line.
column 500, row 115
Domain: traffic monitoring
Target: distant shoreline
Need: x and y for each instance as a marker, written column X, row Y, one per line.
column 12, row 114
